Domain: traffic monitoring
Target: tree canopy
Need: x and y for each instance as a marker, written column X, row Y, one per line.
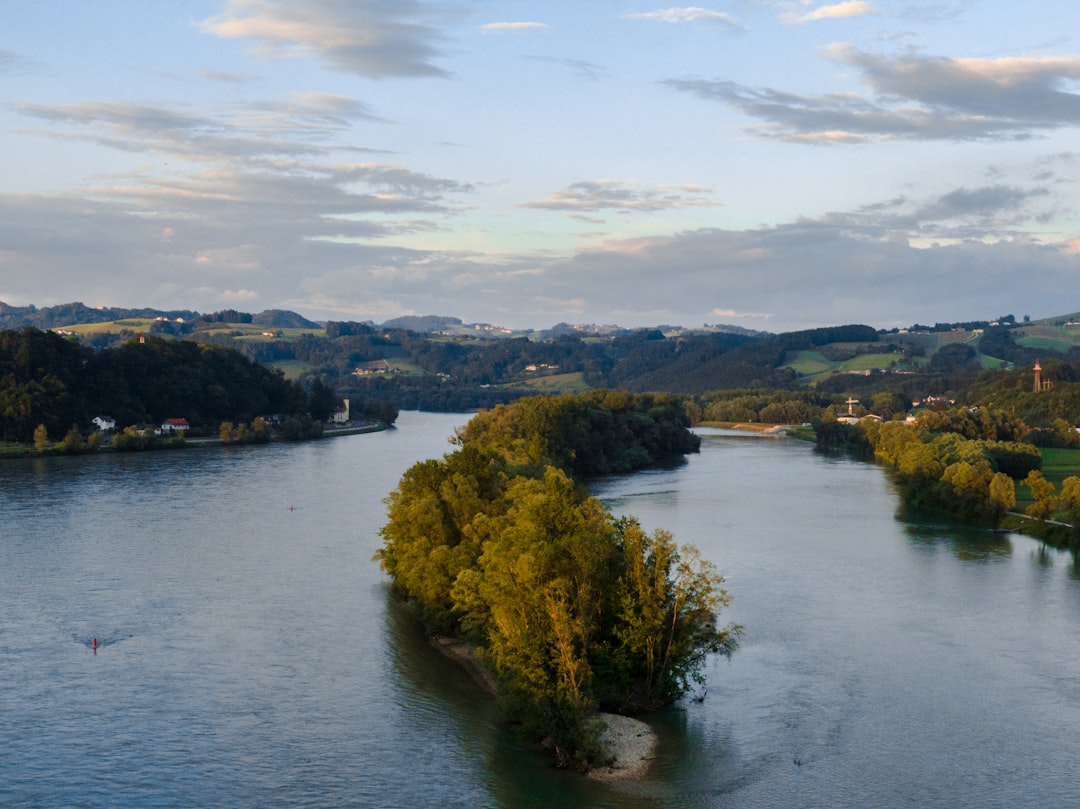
column 48, row 379
column 574, row 609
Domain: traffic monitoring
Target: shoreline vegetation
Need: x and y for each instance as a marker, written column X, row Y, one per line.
column 1040, row 504
column 569, row 613
column 11, row 451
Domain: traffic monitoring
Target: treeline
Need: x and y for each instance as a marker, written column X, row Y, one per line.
column 955, row 463
column 573, row 609
column 594, row 433
column 49, row 380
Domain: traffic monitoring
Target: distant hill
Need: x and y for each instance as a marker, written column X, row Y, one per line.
column 283, row 319
column 70, row 314
column 436, row 362
column 423, row 324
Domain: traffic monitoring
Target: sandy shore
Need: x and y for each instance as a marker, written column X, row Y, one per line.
column 630, row 742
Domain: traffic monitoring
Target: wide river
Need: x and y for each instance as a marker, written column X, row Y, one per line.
column 250, row 656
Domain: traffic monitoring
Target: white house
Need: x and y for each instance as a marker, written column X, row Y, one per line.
column 170, row 426
column 104, row 423
column 341, row 415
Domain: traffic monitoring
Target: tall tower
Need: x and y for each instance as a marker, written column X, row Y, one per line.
column 1038, row 373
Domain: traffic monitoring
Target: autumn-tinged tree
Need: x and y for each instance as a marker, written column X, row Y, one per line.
column 1070, row 498
column 571, row 608
column 41, row 438
column 1003, row 491
column 666, row 602
column 1043, row 493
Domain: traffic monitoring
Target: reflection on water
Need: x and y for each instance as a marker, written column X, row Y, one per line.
column 250, row 655
column 967, row 543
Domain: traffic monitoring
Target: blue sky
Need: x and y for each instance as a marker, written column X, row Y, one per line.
column 771, row 164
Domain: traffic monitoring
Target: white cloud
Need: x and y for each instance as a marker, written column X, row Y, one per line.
column 684, row 14
column 913, row 97
column 850, row 8
column 366, row 37
column 505, row 27
column 599, row 195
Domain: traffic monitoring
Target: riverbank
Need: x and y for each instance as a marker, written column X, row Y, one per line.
column 629, row 743
column 759, row 427
column 13, row 451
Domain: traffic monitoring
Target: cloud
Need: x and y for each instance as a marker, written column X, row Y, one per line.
column 513, row 27
column 913, row 97
column 303, row 124
column 226, row 77
column 255, row 195
column 600, row 195
column 685, row 14
column 311, row 244
column 850, row 8
column 376, row 39
column 731, row 314
column 586, row 70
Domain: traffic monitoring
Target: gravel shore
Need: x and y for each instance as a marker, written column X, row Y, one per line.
column 630, row 742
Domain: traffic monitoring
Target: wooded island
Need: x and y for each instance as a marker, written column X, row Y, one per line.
column 573, row 609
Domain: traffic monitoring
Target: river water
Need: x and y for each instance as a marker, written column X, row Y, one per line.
column 249, row 655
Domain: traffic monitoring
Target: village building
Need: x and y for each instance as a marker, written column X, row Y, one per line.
column 341, row 415
column 174, row 426
column 104, row 424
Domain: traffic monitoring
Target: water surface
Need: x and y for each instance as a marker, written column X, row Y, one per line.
column 250, row 655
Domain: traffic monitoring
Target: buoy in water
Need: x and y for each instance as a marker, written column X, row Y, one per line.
column 95, row 644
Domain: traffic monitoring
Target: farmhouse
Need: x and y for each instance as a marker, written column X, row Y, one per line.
column 104, row 423
column 171, row 426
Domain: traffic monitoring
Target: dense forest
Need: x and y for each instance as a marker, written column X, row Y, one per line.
column 49, row 380
column 573, row 609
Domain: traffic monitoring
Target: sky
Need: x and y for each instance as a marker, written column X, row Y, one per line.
column 771, row 164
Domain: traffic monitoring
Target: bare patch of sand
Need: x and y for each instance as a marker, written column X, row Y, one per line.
column 631, row 742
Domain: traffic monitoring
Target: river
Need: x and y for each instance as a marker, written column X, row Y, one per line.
column 249, row 653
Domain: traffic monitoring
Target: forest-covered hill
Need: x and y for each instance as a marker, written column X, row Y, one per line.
column 440, row 363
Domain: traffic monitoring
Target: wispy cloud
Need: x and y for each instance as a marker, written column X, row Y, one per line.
column 586, row 70
column 513, row 27
column 303, row 124
column 370, row 38
column 685, row 14
column 913, row 97
column 850, row 8
column 601, row 195
column 226, row 77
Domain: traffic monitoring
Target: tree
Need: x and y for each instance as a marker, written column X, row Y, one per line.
column 1070, row 497
column 41, row 438
column 321, row 400
column 1003, row 491
column 1042, row 491
column 72, row 442
column 570, row 607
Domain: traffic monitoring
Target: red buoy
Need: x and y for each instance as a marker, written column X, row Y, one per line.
column 95, row 644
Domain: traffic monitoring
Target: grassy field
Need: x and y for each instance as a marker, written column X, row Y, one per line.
column 555, row 383
column 292, row 368
column 814, row 365
column 113, row 326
